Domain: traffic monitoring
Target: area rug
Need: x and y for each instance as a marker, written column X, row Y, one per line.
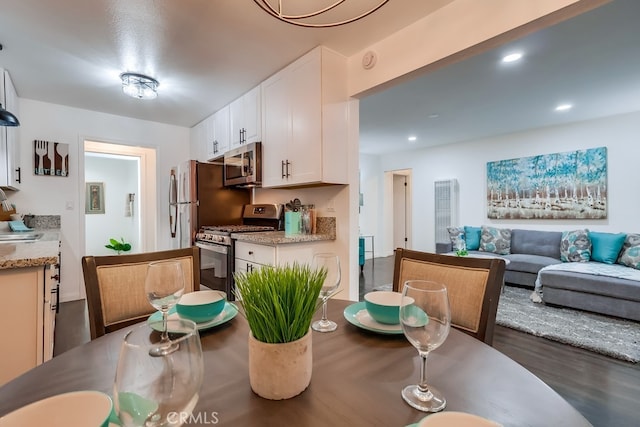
column 602, row 334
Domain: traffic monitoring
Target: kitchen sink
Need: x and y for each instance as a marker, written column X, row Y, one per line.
column 19, row 237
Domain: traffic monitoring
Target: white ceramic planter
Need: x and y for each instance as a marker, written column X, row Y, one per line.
column 280, row 371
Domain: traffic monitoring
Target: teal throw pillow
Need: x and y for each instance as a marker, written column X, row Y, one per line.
column 496, row 240
column 575, row 246
column 606, row 246
column 630, row 253
column 472, row 237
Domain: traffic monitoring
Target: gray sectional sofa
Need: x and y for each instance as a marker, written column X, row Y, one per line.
column 535, row 262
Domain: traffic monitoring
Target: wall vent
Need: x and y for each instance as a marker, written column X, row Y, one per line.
column 446, row 208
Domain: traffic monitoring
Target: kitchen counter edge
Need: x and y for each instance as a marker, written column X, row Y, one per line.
column 279, row 238
column 43, row 251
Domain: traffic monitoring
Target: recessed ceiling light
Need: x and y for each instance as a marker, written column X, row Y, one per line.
column 412, row 138
column 433, row 116
column 512, row 57
column 564, row 107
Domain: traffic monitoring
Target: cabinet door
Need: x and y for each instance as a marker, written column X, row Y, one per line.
column 9, row 149
column 304, row 150
column 252, row 115
column 277, row 129
column 21, row 320
column 236, row 113
column 49, row 312
column 198, row 141
column 221, row 132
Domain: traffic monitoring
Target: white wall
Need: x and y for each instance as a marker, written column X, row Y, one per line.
column 120, row 177
column 467, row 161
column 45, row 195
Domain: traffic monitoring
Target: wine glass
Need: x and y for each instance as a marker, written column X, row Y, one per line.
column 425, row 317
column 152, row 389
column 331, row 263
column 164, row 285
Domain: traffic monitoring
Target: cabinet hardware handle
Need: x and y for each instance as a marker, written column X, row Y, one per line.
column 19, row 179
column 55, row 277
column 288, row 163
column 282, row 168
column 250, row 252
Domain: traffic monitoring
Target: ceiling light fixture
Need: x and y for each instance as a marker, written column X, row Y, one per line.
column 139, row 86
column 564, row 107
column 412, row 138
column 339, row 12
column 8, row 119
column 512, row 57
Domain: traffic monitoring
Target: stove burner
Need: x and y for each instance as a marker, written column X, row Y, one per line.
column 236, row 228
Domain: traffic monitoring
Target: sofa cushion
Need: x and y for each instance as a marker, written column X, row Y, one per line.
column 630, row 253
column 529, row 263
column 534, row 242
column 575, row 246
column 496, row 240
column 456, row 235
column 472, row 237
column 590, row 284
column 605, row 247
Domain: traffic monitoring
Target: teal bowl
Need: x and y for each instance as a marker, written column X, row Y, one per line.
column 201, row 306
column 384, row 306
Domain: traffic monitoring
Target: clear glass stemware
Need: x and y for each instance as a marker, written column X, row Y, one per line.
column 158, row 390
column 425, row 317
column 331, row 263
column 164, row 285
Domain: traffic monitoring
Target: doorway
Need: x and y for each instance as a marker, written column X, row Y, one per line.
column 125, row 176
column 397, row 210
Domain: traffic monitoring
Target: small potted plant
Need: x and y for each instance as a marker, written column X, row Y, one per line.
column 118, row 246
column 279, row 304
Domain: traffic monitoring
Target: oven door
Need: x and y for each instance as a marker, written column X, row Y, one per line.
column 216, row 267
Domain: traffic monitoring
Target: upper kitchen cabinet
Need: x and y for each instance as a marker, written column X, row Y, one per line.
column 9, row 150
column 245, row 118
column 198, row 141
column 218, row 142
column 305, row 128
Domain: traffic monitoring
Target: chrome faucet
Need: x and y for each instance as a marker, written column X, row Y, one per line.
column 6, row 206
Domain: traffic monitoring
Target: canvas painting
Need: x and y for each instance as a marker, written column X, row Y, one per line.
column 570, row 185
column 50, row 158
column 94, row 198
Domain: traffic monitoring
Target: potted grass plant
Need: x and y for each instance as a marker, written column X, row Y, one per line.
column 279, row 303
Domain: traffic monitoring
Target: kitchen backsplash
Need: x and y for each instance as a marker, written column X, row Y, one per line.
column 326, row 225
column 42, row 221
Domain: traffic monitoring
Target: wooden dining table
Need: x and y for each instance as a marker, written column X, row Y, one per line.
column 357, row 379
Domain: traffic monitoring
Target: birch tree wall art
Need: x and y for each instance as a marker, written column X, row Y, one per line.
column 571, row 185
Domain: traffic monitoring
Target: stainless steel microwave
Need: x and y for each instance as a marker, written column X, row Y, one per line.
column 243, row 165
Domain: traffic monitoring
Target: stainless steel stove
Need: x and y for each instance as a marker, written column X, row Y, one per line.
column 217, row 253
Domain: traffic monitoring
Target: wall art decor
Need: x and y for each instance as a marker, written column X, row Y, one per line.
column 94, row 198
column 570, row 185
column 50, row 158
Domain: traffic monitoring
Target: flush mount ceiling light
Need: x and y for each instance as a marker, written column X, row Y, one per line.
column 564, row 107
column 512, row 57
column 139, row 86
column 320, row 14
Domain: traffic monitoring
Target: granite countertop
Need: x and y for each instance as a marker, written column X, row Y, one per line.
column 278, row 237
column 43, row 251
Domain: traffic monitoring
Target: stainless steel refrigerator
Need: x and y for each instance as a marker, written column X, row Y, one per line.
column 197, row 197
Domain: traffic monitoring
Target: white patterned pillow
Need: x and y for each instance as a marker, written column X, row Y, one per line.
column 496, row 240
column 575, row 246
column 630, row 253
column 457, row 237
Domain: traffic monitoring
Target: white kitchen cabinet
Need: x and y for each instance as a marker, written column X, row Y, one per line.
column 27, row 319
column 305, row 122
column 246, row 118
column 10, row 172
column 251, row 256
column 198, row 141
column 218, row 137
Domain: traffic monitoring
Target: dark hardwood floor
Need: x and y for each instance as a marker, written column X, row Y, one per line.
column 605, row 390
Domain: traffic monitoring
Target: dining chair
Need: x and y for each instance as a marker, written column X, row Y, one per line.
column 473, row 286
column 115, row 286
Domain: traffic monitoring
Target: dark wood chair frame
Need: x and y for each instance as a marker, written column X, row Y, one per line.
column 495, row 280
column 94, row 299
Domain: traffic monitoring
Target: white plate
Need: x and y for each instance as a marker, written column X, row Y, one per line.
column 454, row 419
column 74, row 409
column 357, row 315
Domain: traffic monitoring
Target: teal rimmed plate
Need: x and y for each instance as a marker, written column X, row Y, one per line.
column 357, row 315
column 228, row 312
